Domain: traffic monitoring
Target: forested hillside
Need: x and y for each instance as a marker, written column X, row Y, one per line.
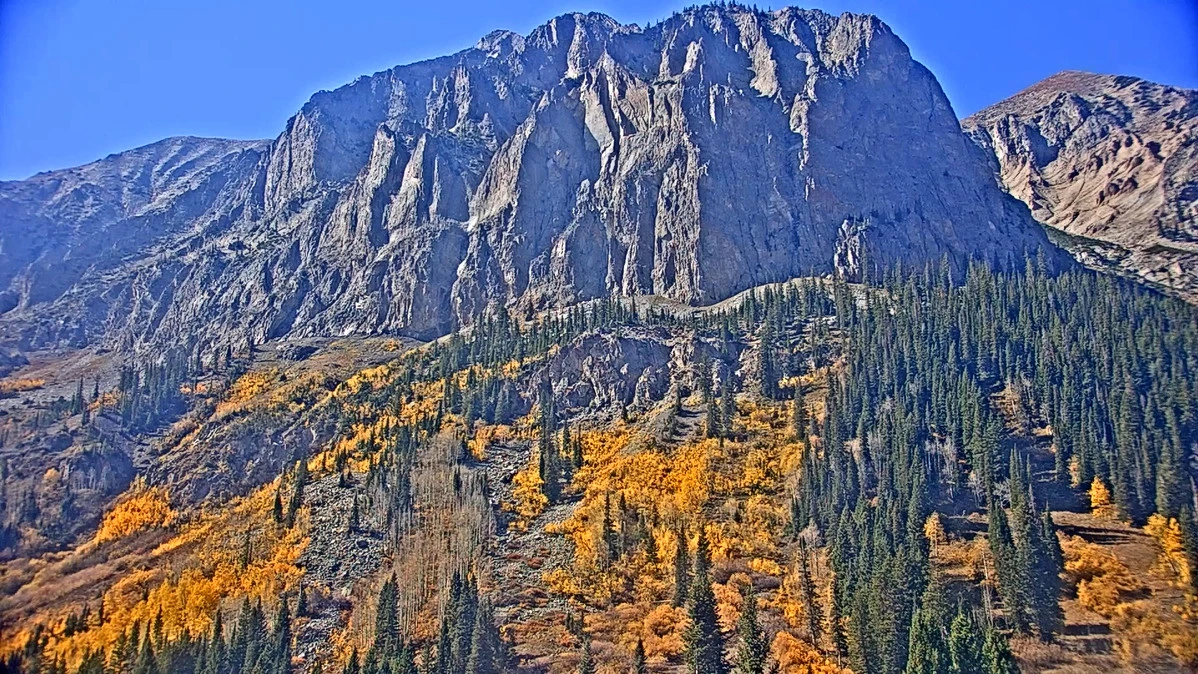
column 915, row 474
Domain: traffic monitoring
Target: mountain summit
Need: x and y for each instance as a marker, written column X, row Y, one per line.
column 718, row 150
column 1111, row 160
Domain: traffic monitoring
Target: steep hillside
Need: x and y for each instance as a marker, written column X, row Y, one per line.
column 67, row 237
column 1112, row 161
column 618, row 483
column 708, row 345
column 715, row 151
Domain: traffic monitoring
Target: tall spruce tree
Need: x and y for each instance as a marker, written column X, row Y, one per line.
column 704, row 643
column 753, row 648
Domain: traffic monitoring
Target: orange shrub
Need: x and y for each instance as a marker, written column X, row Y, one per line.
column 140, row 508
column 1173, row 559
column 14, row 386
column 795, row 655
column 1100, row 501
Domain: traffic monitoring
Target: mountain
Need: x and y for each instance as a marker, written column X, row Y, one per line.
column 1111, row 160
column 480, row 367
column 68, row 238
column 718, row 150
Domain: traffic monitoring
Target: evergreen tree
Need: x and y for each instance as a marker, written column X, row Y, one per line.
column 1189, row 541
column 681, row 571
column 753, row 648
column 1012, row 583
column 807, row 593
column 297, row 493
column 279, row 656
column 146, row 662
column 586, row 662
column 485, row 645
column 639, row 663
column 703, row 640
column 964, row 644
column 996, row 654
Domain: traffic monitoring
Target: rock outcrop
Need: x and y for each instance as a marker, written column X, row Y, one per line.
column 1110, row 159
column 718, row 150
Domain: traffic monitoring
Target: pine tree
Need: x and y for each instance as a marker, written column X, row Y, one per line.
column 727, row 406
column 1012, row 584
column 800, row 416
column 964, row 644
column 355, row 516
column 1189, row 541
column 996, row 654
column 386, row 619
column 702, row 638
column 586, row 662
column 352, row 666
column 146, row 662
column 807, row 594
column 297, row 493
column 926, row 652
column 639, row 663
column 681, row 571
column 485, row 643
column 1046, row 563
column 753, row 649
column 279, row 655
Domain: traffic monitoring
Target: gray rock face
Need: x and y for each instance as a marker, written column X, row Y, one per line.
column 1109, row 158
column 718, row 150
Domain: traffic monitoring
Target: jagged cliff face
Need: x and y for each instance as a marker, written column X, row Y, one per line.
column 1109, row 158
column 721, row 149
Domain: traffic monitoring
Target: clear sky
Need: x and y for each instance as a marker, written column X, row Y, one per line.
column 80, row 79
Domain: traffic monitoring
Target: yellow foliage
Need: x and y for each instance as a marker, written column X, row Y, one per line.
column 485, row 435
column 1102, row 580
column 767, row 567
column 247, row 387
column 527, row 490
column 933, row 530
column 141, row 507
column 968, row 557
column 795, row 655
column 203, row 567
column 1142, row 625
column 1173, row 558
column 1100, row 501
column 373, row 377
column 662, row 630
column 12, row 386
column 760, row 470
column 728, row 600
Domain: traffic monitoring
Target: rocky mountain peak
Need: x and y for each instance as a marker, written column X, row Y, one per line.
column 717, row 150
column 1109, row 158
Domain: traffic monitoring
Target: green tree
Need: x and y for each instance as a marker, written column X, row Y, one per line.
column 753, row 648
column 681, row 571
column 639, row 663
column 586, row 661
column 702, row 638
column 996, row 654
column 964, row 644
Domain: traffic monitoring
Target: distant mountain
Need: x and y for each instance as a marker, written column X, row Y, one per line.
column 1108, row 158
column 715, row 151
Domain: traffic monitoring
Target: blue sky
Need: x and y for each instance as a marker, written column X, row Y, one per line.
column 84, row 78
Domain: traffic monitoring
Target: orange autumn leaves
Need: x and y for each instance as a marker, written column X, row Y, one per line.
column 141, row 508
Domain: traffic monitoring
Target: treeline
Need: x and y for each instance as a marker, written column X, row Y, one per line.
column 252, row 645
column 912, row 417
column 468, row 640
